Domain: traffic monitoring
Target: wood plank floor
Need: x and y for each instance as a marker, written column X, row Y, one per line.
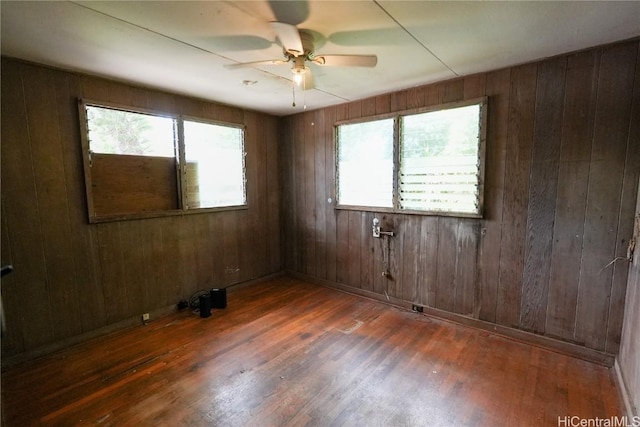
column 285, row 352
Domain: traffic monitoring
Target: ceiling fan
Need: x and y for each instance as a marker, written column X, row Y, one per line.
column 298, row 48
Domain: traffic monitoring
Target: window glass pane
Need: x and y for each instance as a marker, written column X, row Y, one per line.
column 439, row 160
column 214, row 165
column 123, row 132
column 365, row 164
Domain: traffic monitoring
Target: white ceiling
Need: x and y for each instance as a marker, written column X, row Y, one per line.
column 182, row 47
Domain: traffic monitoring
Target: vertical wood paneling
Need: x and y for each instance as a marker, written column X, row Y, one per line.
column 446, row 256
column 167, row 234
column 224, row 113
column 468, row 300
column 411, row 232
column 256, row 237
column 497, row 89
column 354, row 235
column 186, row 258
column 434, row 93
column 320, row 194
column 48, row 168
column 516, row 196
column 274, row 177
column 540, row 176
column 300, row 199
column 367, row 264
column 610, row 136
column 309, row 180
column 474, row 86
column 22, row 216
column 155, row 268
column 287, row 200
column 287, row 203
column 628, row 207
column 135, row 251
column 12, row 337
column 342, row 246
column 87, row 276
column 415, row 97
column 231, row 255
column 203, row 255
column 381, row 252
column 340, row 217
column 354, row 244
column 215, row 230
column 368, row 107
column 466, row 267
column 94, row 89
column 453, row 91
column 113, row 275
column 394, row 247
column 629, row 357
column 330, row 212
column 397, row 101
column 166, row 102
column 383, row 104
column 428, row 262
column 543, row 187
column 84, row 239
column 573, row 179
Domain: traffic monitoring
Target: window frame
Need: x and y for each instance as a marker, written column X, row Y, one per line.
column 183, row 161
column 394, row 178
column 483, row 102
column 179, row 157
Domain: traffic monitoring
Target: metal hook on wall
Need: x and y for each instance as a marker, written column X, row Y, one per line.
column 376, row 229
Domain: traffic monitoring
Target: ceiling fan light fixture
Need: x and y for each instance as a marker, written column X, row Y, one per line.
column 298, row 74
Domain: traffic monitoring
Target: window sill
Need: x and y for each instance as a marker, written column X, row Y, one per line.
column 409, row 212
column 98, row 219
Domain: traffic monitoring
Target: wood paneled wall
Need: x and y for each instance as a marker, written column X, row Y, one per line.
column 629, row 357
column 562, row 167
column 71, row 277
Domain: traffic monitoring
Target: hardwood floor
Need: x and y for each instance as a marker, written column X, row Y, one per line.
column 285, row 352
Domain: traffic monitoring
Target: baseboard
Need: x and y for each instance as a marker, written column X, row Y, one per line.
column 237, row 286
column 540, row 341
column 624, row 393
column 8, row 362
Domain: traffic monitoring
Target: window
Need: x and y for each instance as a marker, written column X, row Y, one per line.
column 365, row 163
column 140, row 163
column 438, row 168
column 125, row 132
column 214, row 165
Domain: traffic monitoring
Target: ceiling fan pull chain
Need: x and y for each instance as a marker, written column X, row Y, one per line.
column 293, row 93
column 304, row 93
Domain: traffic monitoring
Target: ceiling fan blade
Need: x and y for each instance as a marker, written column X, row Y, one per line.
column 289, row 37
column 254, row 63
column 291, row 12
column 346, row 60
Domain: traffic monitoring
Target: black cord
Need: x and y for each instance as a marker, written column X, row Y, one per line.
column 194, row 301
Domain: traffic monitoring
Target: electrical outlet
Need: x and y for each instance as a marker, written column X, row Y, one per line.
column 145, row 317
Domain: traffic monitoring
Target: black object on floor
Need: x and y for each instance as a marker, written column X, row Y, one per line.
column 219, row 298
column 205, row 305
